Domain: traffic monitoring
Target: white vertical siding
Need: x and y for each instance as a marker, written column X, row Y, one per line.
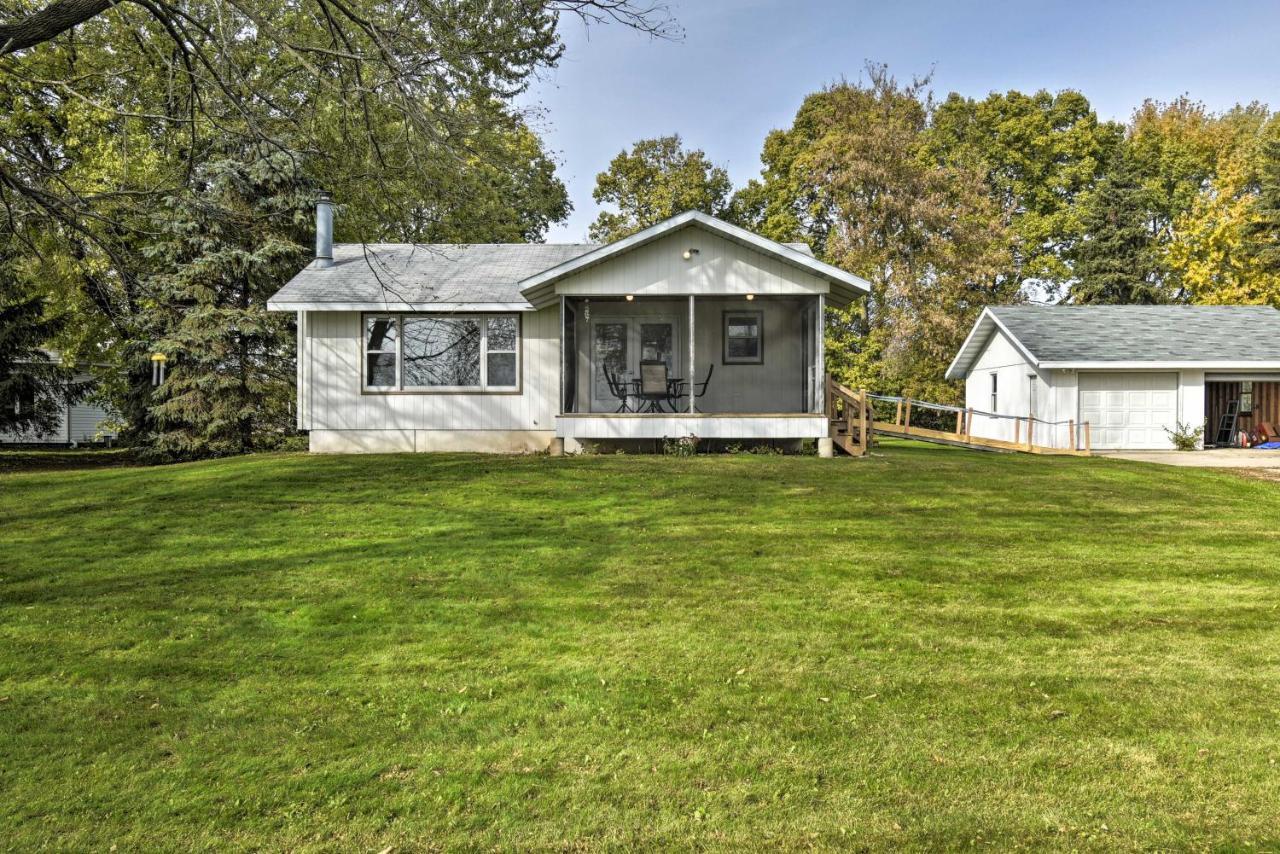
column 1014, row 392
column 720, row 267
column 332, row 396
column 1191, row 405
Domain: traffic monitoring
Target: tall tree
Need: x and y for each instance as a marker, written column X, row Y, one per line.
column 405, row 111
column 1199, row 171
column 1039, row 154
column 1262, row 234
column 225, row 247
column 1117, row 262
column 657, row 179
column 1225, row 248
column 853, row 178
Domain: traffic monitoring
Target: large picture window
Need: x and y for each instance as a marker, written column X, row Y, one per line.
column 425, row 352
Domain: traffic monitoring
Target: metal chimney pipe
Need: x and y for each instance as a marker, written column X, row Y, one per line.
column 324, row 230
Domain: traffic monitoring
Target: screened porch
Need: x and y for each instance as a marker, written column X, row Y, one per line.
column 732, row 367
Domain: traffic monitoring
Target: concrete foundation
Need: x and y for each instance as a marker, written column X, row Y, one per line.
column 430, row 441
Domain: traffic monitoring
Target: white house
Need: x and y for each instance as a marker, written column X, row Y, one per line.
column 690, row 327
column 1130, row 372
column 78, row 423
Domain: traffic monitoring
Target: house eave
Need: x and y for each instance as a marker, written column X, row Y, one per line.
column 415, row 307
column 1185, row 365
column 986, row 325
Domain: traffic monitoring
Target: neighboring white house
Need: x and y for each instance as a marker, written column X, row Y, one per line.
column 78, row 424
column 1130, row 372
column 519, row 347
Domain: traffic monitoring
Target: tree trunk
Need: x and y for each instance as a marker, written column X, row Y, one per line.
column 48, row 23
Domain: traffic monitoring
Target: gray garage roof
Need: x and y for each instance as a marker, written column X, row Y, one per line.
column 406, row 276
column 1068, row 336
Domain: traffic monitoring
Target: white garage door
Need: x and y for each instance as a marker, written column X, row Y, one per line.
column 1129, row 410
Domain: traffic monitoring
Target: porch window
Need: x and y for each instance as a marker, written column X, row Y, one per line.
column 1246, row 398
column 743, row 338
column 442, row 353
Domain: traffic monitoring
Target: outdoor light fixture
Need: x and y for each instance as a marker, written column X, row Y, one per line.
column 750, row 297
column 689, row 253
column 631, row 297
column 157, row 368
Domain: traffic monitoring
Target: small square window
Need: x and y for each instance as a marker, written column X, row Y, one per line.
column 743, row 337
column 1246, row 398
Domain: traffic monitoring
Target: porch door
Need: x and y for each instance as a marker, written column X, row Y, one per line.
column 621, row 343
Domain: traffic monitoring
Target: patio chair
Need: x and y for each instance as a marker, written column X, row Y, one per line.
column 619, row 389
column 655, row 385
column 699, row 389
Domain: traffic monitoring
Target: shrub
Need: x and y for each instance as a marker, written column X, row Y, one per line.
column 1184, row 437
column 684, row 446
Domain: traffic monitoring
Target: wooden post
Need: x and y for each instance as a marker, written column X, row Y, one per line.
column 692, row 356
column 1088, row 447
column 1017, row 430
column 959, row 422
column 850, row 418
column 897, row 418
column 828, row 399
column 1075, row 440
column 864, row 421
column 1031, row 423
column 968, row 423
column 906, row 424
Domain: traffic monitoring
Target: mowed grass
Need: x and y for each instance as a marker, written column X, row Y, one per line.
column 929, row 649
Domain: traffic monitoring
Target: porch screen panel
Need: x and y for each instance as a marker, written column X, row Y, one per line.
column 441, row 352
column 610, row 352
column 657, row 343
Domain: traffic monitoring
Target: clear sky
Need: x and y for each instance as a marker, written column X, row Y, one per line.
column 744, row 66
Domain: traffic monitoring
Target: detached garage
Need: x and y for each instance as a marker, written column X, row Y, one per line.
column 1130, row 373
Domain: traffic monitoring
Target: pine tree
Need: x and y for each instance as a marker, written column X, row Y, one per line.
column 1117, row 263
column 228, row 245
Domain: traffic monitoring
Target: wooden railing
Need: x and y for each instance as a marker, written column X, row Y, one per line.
column 849, row 416
column 1025, row 427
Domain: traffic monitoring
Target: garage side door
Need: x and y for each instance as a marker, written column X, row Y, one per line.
column 1129, row 410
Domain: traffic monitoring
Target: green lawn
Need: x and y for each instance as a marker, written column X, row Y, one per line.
column 928, row 649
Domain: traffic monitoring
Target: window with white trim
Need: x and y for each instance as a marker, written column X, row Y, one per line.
column 743, row 337
column 443, row 353
column 995, row 392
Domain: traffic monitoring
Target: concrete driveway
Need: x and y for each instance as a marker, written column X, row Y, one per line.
column 1229, row 458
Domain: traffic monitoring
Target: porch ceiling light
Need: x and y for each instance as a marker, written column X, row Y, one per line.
column 750, row 297
column 631, row 297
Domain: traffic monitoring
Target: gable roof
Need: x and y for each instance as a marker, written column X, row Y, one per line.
column 1119, row 336
column 845, row 286
column 494, row 276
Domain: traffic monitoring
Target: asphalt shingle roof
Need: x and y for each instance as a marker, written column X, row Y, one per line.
column 426, row 273
column 1137, row 333
column 431, row 273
